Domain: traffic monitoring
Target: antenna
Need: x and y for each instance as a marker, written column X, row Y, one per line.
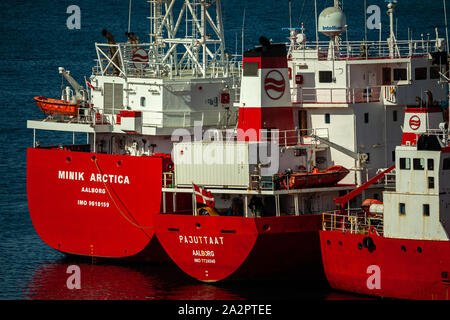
column 129, row 17
column 391, row 40
column 446, row 28
column 317, row 28
column 290, row 14
column 243, row 33
column 365, row 20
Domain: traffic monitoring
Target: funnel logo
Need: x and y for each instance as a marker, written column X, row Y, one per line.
column 140, row 58
column 414, row 122
column 274, row 85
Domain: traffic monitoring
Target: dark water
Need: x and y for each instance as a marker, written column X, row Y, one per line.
column 34, row 42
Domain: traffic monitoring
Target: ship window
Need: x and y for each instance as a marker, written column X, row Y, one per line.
column 430, row 182
column 327, row 118
column 393, row 156
column 405, row 163
column 426, row 210
column 325, row 76
column 251, row 69
column 421, row 73
column 394, row 115
column 142, row 101
column 430, row 164
column 402, row 208
column 400, row 74
column 419, row 164
column 366, row 117
column 434, row 73
column 446, row 165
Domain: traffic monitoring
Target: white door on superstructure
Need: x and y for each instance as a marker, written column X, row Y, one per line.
column 306, row 92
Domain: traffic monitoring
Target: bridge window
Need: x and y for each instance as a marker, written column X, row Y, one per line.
column 400, row 74
column 419, row 164
column 430, row 164
column 402, row 209
column 405, row 163
column 426, row 210
column 421, row 73
column 446, row 165
column 325, row 76
column 430, row 182
column 366, row 117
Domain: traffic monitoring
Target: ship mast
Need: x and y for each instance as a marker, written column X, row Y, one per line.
column 201, row 48
column 392, row 41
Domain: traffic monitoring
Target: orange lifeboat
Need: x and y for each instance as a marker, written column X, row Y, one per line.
column 367, row 204
column 315, row 178
column 57, row 107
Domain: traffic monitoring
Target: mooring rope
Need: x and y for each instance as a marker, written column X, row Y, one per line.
column 118, row 208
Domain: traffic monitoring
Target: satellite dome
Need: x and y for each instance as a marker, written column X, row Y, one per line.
column 332, row 22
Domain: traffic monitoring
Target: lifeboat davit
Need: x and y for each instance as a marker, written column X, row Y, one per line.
column 315, row 178
column 57, row 107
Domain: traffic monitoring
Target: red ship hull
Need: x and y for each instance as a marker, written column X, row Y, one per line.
column 95, row 205
column 214, row 248
column 408, row 269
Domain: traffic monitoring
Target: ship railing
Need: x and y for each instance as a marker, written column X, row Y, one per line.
column 285, row 138
column 354, row 221
column 171, row 118
column 300, row 137
column 147, row 61
column 361, row 50
column 307, row 95
column 388, row 180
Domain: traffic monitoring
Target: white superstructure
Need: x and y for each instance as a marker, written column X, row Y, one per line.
column 359, row 90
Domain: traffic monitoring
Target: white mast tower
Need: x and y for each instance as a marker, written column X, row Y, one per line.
column 202, row 42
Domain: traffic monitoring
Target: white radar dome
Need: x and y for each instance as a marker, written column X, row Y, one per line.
column 332, row 22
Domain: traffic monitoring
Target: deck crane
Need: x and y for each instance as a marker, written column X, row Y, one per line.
column 360, row 158
column 80, row 93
